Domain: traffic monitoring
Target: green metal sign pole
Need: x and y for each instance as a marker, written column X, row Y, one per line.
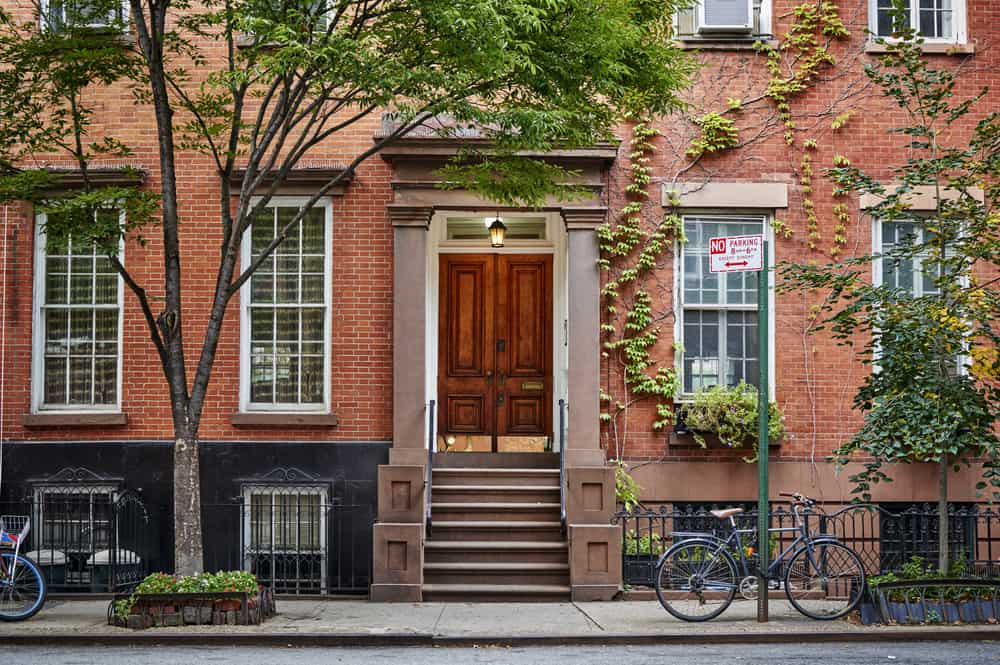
column 763, row 398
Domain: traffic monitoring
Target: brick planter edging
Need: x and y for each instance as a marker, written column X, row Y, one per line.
column 233, row 608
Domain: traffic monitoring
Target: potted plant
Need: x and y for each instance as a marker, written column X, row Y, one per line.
column 730, row 413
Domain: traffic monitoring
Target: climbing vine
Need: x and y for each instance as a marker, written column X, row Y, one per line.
column 628, row 252
column 728, row 122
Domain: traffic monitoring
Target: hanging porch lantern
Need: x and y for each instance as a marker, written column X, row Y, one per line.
column 497, row 232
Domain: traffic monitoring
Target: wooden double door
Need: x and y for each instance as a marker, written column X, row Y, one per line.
column 495, row 353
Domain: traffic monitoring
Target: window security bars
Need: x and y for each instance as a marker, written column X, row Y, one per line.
column 884, row 539
column 87, row 538
column 294, row 538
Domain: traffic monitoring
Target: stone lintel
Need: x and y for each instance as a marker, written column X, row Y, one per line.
column 760, row 195
column 923, row 198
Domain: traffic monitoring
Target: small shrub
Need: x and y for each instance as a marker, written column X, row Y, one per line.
column 224, row 581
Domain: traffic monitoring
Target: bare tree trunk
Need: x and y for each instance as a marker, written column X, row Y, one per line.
column 943, row 563
column 188, row 552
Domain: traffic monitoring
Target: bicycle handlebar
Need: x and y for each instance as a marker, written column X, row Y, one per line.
column 799, row 498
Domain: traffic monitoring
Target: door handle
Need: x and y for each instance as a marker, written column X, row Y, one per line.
column 489, row 377
column 499, row 398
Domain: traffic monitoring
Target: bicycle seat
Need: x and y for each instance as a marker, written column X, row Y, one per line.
column 727, row 513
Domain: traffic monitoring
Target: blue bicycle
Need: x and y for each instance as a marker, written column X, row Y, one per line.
column 22, row 586
column 700, row 575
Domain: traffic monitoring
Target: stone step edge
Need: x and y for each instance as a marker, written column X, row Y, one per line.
column 495, row 545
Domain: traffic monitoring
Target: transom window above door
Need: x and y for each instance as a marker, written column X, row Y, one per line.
column 476, row 229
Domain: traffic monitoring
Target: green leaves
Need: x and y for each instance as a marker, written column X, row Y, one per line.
column 933, row 394
column 731, row 414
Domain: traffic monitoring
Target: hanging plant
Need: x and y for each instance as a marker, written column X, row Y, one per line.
column 731, row 414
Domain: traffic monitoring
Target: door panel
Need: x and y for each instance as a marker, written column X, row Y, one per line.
column 495, row 351
column 465, row 366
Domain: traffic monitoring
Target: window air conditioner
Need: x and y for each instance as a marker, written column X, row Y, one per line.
column 725, row 16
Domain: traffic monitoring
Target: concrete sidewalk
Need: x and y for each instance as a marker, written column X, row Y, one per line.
column 335, row 622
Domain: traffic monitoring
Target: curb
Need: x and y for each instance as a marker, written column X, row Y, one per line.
column 299, row 640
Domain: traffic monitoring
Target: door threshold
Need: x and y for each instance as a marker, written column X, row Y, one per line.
column 497, row 460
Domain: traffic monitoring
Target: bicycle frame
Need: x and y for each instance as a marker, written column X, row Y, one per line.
column 734, row 542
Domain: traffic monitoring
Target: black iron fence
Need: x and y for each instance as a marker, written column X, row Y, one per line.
column 884, row 538
column 293, row 539
column 87, row 539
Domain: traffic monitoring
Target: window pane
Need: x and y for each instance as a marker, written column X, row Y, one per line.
column 56, row 331
column 106, row 291
column 286, row 384
column 56, row 279
column 105, row 380
column 261, row 379
column 81, row 331
column 80, row 380
column 312, row 379
column 55, row 380
column 106, row 332
column 312, row 232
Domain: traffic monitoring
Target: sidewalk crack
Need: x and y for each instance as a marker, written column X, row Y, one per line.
column 588, row 617
column 434, row 630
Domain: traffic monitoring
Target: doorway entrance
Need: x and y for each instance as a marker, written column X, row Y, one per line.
column 495, row 353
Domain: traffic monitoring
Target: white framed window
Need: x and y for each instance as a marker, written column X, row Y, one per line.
column 717, row 314
column 933, row 20
column 285, row 536
column 724, row 19
column 285, row 311
column 103, row 14
column 916, row 275
column 77, row 339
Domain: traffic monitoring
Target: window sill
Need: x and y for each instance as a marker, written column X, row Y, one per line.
column 931, row 48
column 55, row 419
column 268, row 419
column 725, row 44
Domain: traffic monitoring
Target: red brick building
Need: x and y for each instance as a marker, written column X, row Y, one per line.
column 393, row 301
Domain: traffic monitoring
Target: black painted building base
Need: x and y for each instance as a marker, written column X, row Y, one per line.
column 299, row 514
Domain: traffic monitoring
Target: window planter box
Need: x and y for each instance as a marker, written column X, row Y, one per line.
column 915, row 602
column 184, row 609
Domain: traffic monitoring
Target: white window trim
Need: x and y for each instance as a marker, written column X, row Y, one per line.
column 246, row 406
column 45, row 25
column 763, row 29
column 251, row 489
column 959, row 23
column 878, row 279
column 678, row 295
column 38, row 333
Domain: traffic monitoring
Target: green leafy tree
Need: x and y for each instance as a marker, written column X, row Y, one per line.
column 933, row 393
column 255, row 85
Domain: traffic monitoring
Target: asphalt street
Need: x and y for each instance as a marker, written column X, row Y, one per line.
column 925, row 653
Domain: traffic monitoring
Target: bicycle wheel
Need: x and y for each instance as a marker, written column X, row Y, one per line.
column 824, row 580
column 23, row 593
column 696, row 580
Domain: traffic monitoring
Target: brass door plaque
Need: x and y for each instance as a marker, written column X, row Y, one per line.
column 533, row 385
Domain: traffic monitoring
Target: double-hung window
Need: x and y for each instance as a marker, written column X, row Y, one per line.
column 718, row 312
column 933, row 20
column 77, row 339
column 286, row 311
